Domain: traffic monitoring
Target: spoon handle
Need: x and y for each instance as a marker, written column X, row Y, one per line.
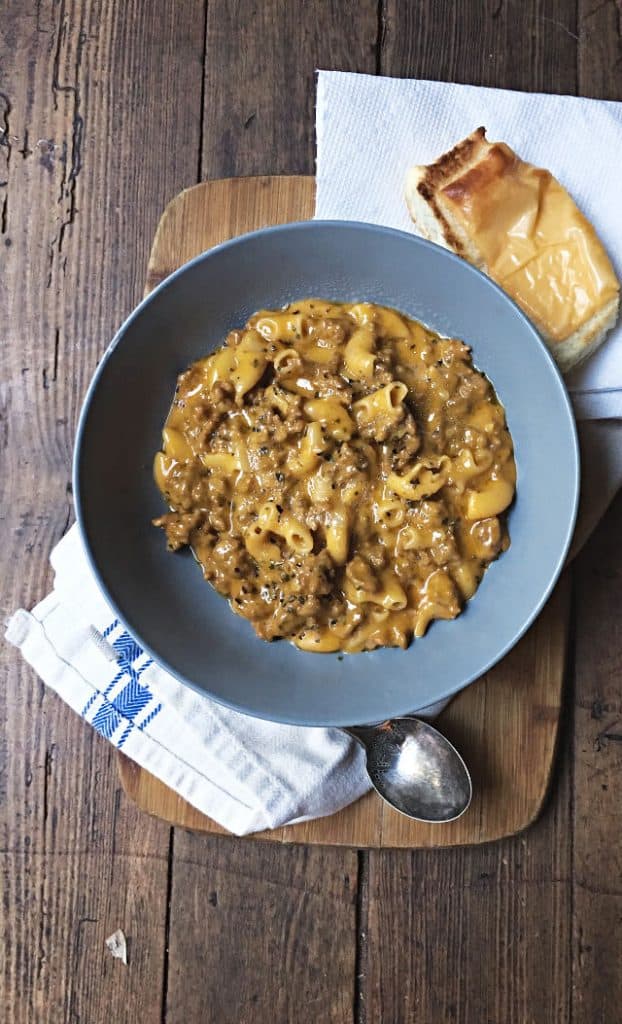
column 365, row 734
column 361, row 733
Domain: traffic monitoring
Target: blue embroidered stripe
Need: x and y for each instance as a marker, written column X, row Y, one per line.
column 125, row 734
column 107, row 720
column 127, row 649
column 132, row 699
column 150, row 717
column 89, row 704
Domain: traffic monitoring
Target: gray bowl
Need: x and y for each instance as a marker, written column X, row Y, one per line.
column 162, row 598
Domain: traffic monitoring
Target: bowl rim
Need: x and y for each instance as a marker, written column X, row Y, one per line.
column 447, row 692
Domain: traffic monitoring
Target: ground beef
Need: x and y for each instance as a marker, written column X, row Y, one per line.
column 405, row 444
column 320, row 328
column 333, row 385
column 178, row 527
column 310, row 582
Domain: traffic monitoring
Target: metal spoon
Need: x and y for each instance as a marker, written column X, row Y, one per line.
column 415, row 769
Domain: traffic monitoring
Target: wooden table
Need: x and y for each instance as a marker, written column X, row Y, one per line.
column 106, row 111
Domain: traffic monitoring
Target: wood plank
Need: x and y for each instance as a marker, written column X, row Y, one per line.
column 281, row 938
column 597, row 853
column 259, row 933
column 81, row 112
column 507, row 720
column 481, row 933
column 597, row 857
column 260, row 78
column 508, row 44
column 600, row 49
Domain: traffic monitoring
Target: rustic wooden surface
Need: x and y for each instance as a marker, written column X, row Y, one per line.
column 107, row 110
column 506, row 726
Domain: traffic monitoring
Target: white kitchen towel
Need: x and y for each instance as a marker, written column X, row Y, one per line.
column 370, row 130
column 246, row 774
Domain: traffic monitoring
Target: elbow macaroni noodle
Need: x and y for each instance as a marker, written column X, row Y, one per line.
column 341, row 473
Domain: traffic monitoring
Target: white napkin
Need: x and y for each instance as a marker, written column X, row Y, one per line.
column 371, row 130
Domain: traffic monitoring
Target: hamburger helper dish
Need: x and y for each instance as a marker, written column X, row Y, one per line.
column 340, row 472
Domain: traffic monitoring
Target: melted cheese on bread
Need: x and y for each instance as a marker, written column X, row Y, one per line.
column 520, row 225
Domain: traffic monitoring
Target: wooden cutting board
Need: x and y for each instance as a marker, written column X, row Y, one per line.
column 505, row 724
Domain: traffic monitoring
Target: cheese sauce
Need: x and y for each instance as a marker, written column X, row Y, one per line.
column 341, row 473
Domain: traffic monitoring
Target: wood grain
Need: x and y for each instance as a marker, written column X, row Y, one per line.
column 269, row 934
column 507, row 720
column 512, row 44
column 597, row 732
column 260, row 78
column 83, row 182
column 205, row 215
column 100, row 124
column 600, row 49
column 597, row 811
column 479, row 934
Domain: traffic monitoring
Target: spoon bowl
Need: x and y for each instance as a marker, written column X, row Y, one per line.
column 415, row 769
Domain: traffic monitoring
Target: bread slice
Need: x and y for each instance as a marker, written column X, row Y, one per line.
column 520, row 226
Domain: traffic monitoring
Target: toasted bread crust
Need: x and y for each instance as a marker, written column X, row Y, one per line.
column 452, row 163
column 494, row 162
column 435, row 176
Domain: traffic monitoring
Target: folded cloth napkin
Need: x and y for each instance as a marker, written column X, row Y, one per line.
column 247, row 774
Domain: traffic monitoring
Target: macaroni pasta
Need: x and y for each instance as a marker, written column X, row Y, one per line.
column 341, row 474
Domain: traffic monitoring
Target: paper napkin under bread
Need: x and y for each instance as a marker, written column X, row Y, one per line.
column 371, row 130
